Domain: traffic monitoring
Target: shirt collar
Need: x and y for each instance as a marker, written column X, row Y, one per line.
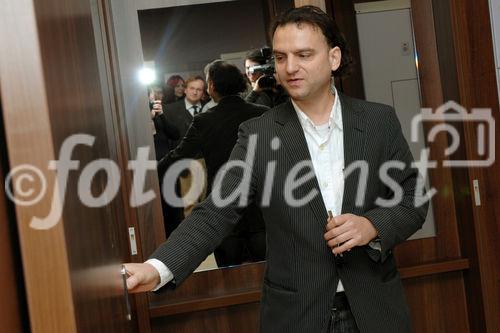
column 189, row 105
column 335, row 114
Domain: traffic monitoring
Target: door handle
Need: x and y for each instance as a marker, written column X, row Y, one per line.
column 125, row 293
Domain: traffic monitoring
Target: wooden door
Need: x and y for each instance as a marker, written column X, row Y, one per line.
column 13, row 310
column 52, row 89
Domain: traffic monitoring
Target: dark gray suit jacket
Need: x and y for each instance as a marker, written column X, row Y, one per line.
column 177, row 115
column 301, row 272
column 213, row 134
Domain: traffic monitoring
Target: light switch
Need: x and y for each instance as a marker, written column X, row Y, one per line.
column 477, row 196
column 405, row 48
column 133, row 242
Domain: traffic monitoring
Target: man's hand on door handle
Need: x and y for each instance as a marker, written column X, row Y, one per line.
column 141, row 277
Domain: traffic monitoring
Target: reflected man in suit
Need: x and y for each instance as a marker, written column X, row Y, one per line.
column 323, row 274
column 213, row 134
column 164, row 132
column 181, row 114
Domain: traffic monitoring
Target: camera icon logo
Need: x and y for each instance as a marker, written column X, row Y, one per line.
column 485, row 131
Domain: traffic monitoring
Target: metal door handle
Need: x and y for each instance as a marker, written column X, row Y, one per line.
column 125, row 292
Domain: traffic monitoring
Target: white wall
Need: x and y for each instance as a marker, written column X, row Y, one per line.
column 186, row 38
column 390, row 75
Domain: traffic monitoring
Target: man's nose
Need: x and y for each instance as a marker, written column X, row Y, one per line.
column 291, row 65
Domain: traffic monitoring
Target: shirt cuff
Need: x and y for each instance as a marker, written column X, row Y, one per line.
column 375, row 244
column 165, row 274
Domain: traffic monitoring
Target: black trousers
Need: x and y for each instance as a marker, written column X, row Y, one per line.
column 341, row 319
column 240, row 247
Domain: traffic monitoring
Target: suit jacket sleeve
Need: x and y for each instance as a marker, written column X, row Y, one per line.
column 395, row 224
column 260, row 98
column 164, row 126
column 200, row 233
column 189, row 147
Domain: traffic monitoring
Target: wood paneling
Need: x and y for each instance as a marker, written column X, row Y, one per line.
column 51, row 89
column 223, row 300
column 345, row 17
column 13, row 309
column 271, row 9
column 167, row 307
column 317, row 3
column 24, row 101
column 476, row 79
column 214, row 283
column 147, row 219
column 132, row 117
column 423, row 294
column 241, row 318
column 206, row 304
column 433, row 302
column 96, row 241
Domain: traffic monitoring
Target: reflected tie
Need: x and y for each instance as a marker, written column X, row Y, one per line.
column 195, row 109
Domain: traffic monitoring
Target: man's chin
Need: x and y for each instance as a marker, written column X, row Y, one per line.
column 296, row 95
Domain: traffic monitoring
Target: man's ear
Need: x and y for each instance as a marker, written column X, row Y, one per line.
column 335, row 57
column 211, row 88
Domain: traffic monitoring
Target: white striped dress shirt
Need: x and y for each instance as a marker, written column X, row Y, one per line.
column 326, row 147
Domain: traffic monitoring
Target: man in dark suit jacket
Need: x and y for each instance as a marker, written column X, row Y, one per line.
column 181, row 113
column 214, row 134
column 165, row 131
column 308, row 286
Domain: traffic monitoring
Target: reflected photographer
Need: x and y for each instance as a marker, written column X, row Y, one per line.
column 266, row 89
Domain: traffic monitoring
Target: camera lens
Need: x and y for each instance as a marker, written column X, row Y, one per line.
column 267, row 81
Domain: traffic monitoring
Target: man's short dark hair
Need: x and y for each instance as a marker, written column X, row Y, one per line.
column 317, row 18
column 256, row 56
column 226, row 78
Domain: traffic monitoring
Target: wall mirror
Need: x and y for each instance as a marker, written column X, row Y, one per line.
column 181, row 37
column 171, row 38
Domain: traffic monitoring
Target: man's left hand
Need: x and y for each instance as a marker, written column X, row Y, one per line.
column 343, row 232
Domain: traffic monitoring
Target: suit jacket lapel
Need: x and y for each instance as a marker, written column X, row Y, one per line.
column 291, row 134
column 353, row 123
column 292, row 137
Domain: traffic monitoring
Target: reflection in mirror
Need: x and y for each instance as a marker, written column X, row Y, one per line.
column 390, row 70
column 178, row 42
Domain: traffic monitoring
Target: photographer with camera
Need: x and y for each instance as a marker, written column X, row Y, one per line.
column 259, row 68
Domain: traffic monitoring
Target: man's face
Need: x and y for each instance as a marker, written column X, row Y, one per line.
column 194, row 91
column 252, row 77
column 304, row 60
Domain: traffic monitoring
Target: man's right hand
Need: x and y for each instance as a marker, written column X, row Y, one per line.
column 141, row 277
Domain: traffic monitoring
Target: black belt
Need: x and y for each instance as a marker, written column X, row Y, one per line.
column 340, row 302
